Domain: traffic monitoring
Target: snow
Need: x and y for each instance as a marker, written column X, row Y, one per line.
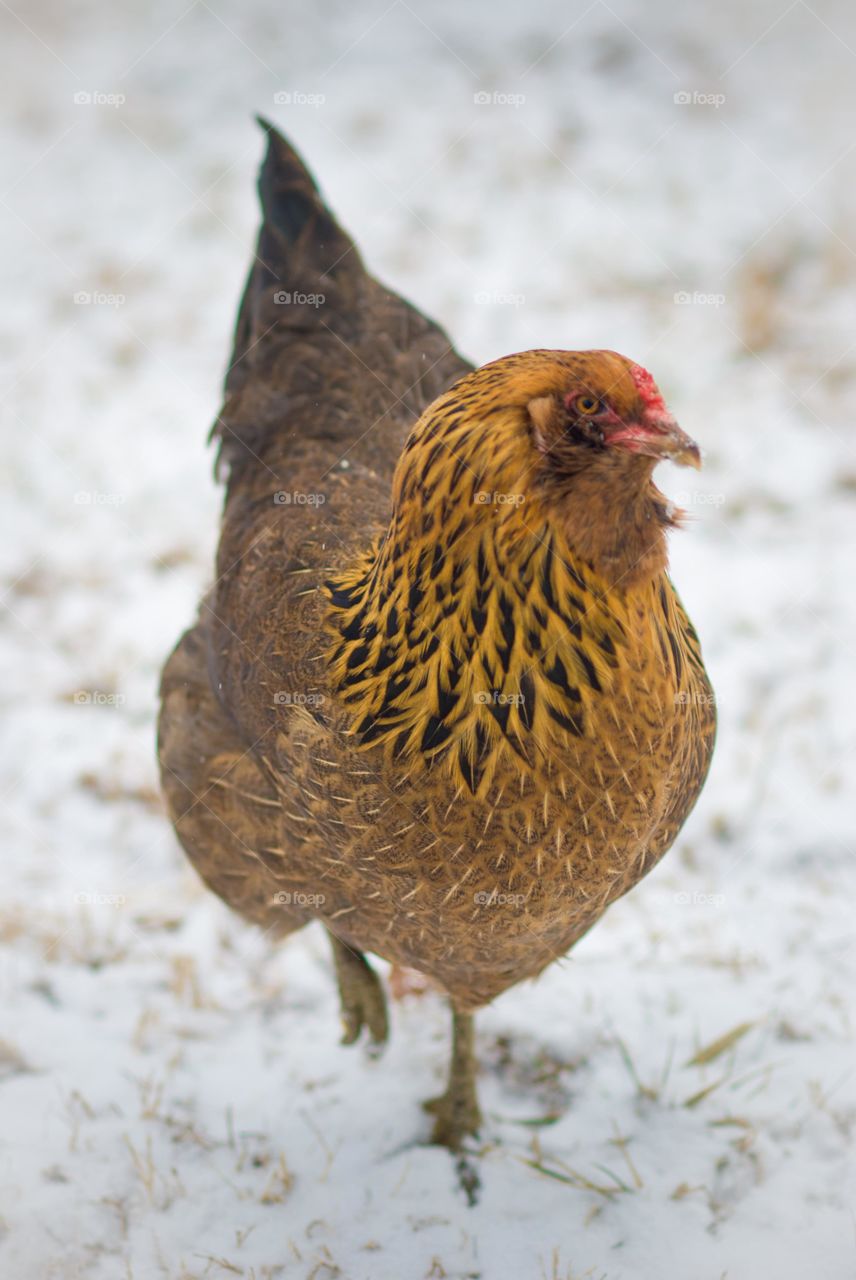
column 173, row 1099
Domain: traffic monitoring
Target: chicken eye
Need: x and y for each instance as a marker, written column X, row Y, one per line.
column 588, row 405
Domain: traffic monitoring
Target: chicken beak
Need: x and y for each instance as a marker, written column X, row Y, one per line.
column 657, row 435
column 673, row 443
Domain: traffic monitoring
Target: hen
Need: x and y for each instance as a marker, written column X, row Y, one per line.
column 442, row 696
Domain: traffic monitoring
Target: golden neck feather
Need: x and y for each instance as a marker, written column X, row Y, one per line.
column 473, row 629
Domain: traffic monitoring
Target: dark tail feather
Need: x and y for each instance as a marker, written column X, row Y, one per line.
column 312, row 321
column 295, row 214
column 301, row 253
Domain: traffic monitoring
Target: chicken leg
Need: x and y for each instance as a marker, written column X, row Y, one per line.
column 456, row 1111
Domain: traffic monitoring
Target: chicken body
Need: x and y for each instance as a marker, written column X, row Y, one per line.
column 443, row 696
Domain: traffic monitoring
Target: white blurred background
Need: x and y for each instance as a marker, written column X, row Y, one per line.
column 675, row 183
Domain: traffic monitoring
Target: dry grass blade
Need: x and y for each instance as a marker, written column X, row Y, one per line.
column 574, row 1179
column 696, row 1098
column 223, row 1263
column 719, row 1046
column 643, row 1089
column 541, row 1122
column 622, row 1145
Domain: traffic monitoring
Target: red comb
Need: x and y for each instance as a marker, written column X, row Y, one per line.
column 647, row 387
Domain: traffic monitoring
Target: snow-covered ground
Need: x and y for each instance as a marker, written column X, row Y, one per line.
column 678, row 1099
